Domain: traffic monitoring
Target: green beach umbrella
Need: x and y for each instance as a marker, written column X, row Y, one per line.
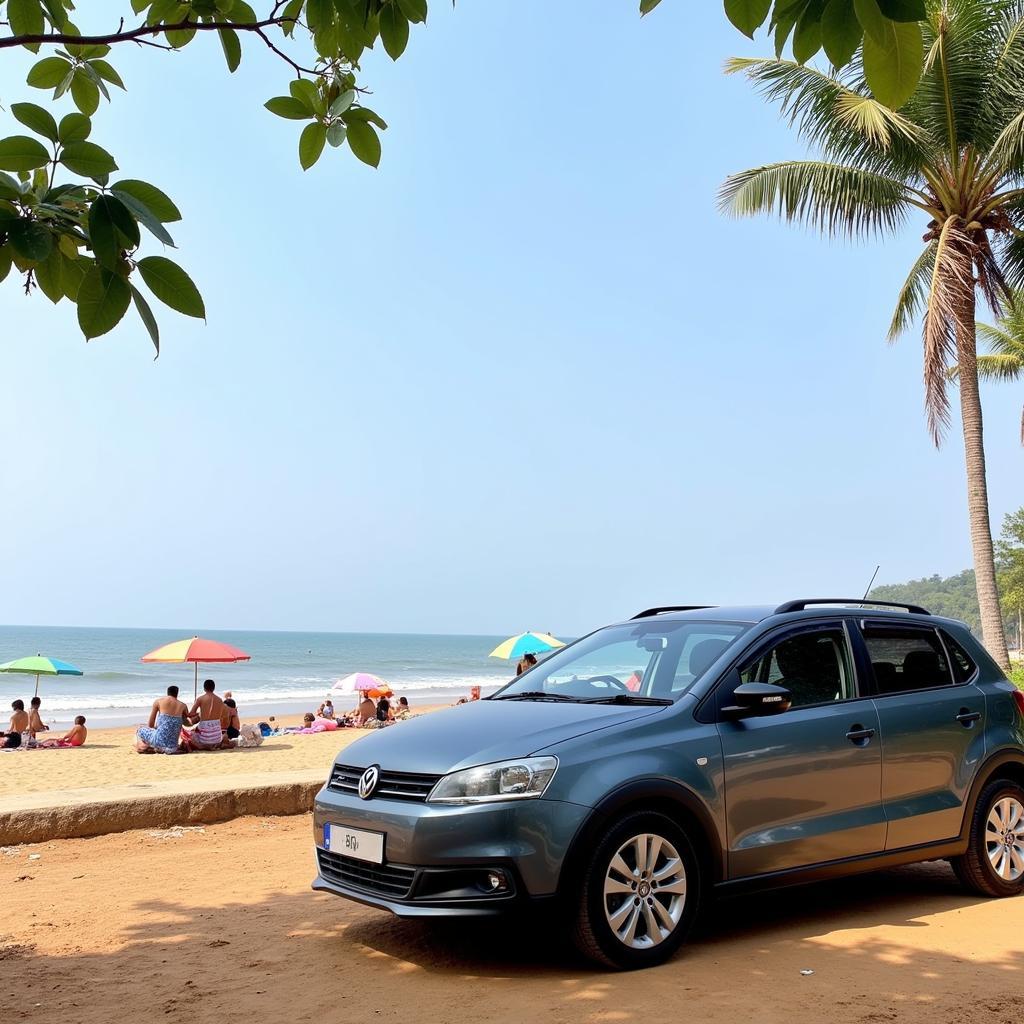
column 40, row 666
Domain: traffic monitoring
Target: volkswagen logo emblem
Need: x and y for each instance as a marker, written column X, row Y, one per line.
column 368, row 781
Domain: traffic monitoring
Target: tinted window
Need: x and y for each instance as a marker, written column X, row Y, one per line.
column 963, row 665
column 905, row 658
column 814, row 667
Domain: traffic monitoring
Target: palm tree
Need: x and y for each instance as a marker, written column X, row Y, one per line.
column 955, row 154
column 1005, row 361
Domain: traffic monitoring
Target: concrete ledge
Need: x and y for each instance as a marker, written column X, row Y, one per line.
column 76, row 813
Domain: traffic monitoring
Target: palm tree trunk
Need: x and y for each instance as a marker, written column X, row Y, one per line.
column 992, row 631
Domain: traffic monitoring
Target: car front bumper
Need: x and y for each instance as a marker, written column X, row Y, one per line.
column 435, row 854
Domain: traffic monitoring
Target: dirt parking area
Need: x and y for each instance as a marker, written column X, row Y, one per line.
column 219, row 923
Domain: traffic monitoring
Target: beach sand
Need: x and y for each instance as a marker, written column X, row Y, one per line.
column 109, row 759
column 219, row 924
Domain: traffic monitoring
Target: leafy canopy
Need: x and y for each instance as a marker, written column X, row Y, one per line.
column 76, row 231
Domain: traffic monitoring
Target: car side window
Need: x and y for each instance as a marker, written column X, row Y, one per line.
column 905, row 658
column 814, row 666
column 963, row 665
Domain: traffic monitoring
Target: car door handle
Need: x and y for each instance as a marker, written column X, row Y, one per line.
column 859, row 735
column 968, row 717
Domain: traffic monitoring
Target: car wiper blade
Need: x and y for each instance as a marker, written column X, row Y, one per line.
column 535, row 695
column 627, row 698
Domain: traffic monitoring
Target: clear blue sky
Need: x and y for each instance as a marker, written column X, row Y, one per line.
column 522, row 376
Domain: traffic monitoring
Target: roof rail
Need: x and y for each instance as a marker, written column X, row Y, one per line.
column 648, row 613
column 799, row 606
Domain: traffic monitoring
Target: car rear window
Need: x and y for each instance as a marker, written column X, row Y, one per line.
column 905, row 658
column 963, row 665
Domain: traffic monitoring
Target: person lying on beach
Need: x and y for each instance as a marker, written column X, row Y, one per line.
column 164, row 729
column 229, row 720
column 35, row 722
column 19, row 724
column 74, row 737
column 206, row 713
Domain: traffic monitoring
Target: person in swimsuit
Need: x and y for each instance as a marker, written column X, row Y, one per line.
column 229, row 720
column 19, row 725
column 74, row 737
column 35, row 722
column 163, row 733
column 366, row 711
column 206, row 713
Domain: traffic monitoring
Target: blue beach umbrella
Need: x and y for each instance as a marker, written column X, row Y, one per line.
column 40, row 666
column 526, row 643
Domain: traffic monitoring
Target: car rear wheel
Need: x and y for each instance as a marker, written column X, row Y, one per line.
column 994, row 862
column 640, row 893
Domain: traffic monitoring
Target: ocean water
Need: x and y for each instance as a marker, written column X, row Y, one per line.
column 288, row 672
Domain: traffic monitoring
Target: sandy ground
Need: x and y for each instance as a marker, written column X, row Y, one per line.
column 220, row 924
column 109, row 758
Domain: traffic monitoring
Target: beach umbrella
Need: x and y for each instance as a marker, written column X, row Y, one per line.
column 526, row 643
column 196, row 650
column 361, row 682
column 40, row 666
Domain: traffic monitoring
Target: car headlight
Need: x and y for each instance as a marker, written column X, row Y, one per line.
column 523, row 779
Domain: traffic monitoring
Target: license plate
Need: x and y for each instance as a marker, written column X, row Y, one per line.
column 354, row 842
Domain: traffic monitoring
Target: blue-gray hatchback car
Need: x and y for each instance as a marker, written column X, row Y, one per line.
column 630, row 775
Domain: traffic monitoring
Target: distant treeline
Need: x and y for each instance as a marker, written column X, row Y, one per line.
column 954, row 596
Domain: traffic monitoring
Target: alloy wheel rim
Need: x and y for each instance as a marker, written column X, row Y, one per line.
column 1004, row 839
column 644, row 891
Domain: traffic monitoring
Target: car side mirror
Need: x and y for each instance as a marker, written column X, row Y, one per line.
column 756, row 700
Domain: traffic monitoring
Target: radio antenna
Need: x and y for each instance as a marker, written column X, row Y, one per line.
column 871, row 584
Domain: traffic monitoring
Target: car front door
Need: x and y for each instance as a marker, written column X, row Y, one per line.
column 802, row 787
column 931, row 720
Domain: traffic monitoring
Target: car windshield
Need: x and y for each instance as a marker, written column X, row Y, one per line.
column 648, row 661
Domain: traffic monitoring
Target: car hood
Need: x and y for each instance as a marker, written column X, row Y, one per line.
column 482, row 732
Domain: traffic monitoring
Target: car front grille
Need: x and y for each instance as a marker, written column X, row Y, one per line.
column 389, row 880
column 391, row 785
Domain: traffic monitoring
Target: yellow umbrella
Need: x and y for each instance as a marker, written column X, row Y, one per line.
column 526, row 643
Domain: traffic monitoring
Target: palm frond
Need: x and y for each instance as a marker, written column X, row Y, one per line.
column 835, row 199
column 999, row 368
column 1005, row 88
column 1011, row 260
column 914, row 293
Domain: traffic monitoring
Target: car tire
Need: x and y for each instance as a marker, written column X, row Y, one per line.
column 994, row 862
column 632, row 913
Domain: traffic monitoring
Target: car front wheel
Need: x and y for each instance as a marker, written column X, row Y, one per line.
column 994, row 862
column 640, row 893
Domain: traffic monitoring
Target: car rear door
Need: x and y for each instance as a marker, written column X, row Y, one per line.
column 931, row 719
column 802, row 787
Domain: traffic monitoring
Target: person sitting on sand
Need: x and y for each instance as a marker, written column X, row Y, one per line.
column 526, row 662
column 229, row 720
column 35, row 722
column 19, row 724
column 326, row 710
column 74, row 737
column 206, row 713
column 384, row 710
column 164, row 730
column 403, row 711
column 366, row 711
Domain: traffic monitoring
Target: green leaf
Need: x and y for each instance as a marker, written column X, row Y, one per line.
column 311, row 144
column 26, row 19
column 875, row 23
column 36, row 118
column 892, row 71
column 146, row 315
column 103, row 236
column 342, row 103
column 73, row 127
column 103, row 299
column 289, row 107
column 306, row 93
column 106, row 72
column 144, row 216
column 85, row 92
column 64, row 85
column 151, row 197
column 87, row 159
column 291, row 16
column 30, row 239
column 364, row 142
column 233, row 55
column 747, row 15
column 9, row 188
column 786, row 22
column 47, row 73
column 336, row 133
column 180, row 37
column 72, row 274
column 50, row 276
column 646, row 6
column 807, row 37
column 394, row 30
column 22, row 153
column 414, row 10
column 172, row 286
column 364, row 114
column 841, row 32
column 903, row 10
column 5, row 261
